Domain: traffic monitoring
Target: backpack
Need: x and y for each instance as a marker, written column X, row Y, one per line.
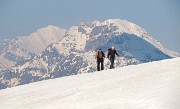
column 98, row 54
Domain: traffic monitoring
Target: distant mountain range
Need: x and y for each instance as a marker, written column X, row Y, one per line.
column 53, row 52
column 23, row 48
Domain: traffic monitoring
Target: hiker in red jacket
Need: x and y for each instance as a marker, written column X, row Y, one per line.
column 100, row 59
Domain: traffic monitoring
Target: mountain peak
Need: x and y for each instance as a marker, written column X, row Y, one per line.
column 62, row 53
column 50, row 28
column 23, row 47
column 43, row 37
column 113, row 21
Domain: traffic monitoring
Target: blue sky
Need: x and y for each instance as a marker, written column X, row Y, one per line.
column 161, row 18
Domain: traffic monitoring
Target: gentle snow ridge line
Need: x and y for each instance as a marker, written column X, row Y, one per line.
column 146, row 86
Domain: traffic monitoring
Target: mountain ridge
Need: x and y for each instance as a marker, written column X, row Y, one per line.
column 75, row 52
column 24, row 47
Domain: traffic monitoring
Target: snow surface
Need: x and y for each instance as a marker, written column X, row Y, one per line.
column 153, row 85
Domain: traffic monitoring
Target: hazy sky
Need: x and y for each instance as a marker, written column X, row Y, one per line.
column 161, row 18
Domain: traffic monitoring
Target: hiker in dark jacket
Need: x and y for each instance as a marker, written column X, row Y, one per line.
column 100, row 59
column 108, row 53
column 111, row 55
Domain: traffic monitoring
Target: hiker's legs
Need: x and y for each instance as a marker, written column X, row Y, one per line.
column 102, row 64
column 112, row 63
column 98, row 65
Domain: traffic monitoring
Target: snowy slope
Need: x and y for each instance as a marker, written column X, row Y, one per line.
column 24, row 47
column 153, row 85
column 75, row 52
column 39, row 40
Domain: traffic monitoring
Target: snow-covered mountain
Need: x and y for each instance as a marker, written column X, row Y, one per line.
column 154, row 85
column 24, row 47
column 75, row 52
